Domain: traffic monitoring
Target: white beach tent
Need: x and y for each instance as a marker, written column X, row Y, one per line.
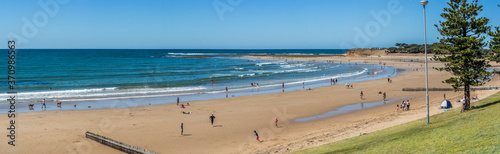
column 446, row 104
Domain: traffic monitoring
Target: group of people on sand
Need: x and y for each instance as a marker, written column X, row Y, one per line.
column 404, row 106
column 212, row 119
column 333, row 81
column 348, row 86
column 182, row 106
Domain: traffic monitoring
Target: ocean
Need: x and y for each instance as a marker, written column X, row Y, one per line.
column 100, row 74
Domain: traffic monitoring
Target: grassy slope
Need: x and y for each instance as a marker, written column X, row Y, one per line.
column 476, row 131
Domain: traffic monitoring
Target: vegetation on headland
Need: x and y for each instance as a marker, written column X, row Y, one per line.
column 412, row 48
column 475, row 131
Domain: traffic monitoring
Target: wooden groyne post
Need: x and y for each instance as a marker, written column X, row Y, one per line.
column 117, row 145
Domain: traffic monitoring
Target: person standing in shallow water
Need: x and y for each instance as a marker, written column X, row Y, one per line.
column 283, row 87
column 43, row 105
column 177, row 101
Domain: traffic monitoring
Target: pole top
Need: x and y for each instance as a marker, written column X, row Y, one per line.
column 424, row 2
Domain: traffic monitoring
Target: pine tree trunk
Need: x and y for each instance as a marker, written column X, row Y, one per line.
column 467, row 97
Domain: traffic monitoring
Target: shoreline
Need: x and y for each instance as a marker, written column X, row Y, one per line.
column 156, row 127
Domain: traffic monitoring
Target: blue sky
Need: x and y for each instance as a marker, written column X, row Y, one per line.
column 233, row 24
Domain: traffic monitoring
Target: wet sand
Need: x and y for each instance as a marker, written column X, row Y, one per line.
column 157, row 127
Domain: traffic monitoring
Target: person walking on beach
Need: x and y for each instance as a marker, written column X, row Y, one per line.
column 361, row 95
column 383, row 95
column 212, row 119
column 182, row 129
column 257, row 135
column 276, row 121
column 177, row 101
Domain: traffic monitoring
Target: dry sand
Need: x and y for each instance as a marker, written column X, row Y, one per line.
column 157, row 128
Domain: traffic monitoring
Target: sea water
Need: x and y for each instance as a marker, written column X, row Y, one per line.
column 101, row 74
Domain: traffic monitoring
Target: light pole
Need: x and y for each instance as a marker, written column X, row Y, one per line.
column 425, row 2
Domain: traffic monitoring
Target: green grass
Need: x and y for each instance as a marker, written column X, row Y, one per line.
column 476, row 131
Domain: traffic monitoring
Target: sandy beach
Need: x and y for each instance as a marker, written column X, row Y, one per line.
column 157, row 127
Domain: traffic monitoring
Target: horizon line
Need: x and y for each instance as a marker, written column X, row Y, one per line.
column 186, row 48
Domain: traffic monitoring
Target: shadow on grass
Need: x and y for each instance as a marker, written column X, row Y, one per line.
column 485, row 105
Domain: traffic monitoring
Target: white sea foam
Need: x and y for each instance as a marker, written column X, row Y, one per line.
column 221, row 75
column 265, row 63
column 292, row 65
column 191, row 54
column 99, row 93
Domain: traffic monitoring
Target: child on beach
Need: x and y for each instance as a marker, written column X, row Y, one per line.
column 397, row 107
column 407, row 105
column 182, row 129
column 276, row 121
column 182, row 106
column 257, row 135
